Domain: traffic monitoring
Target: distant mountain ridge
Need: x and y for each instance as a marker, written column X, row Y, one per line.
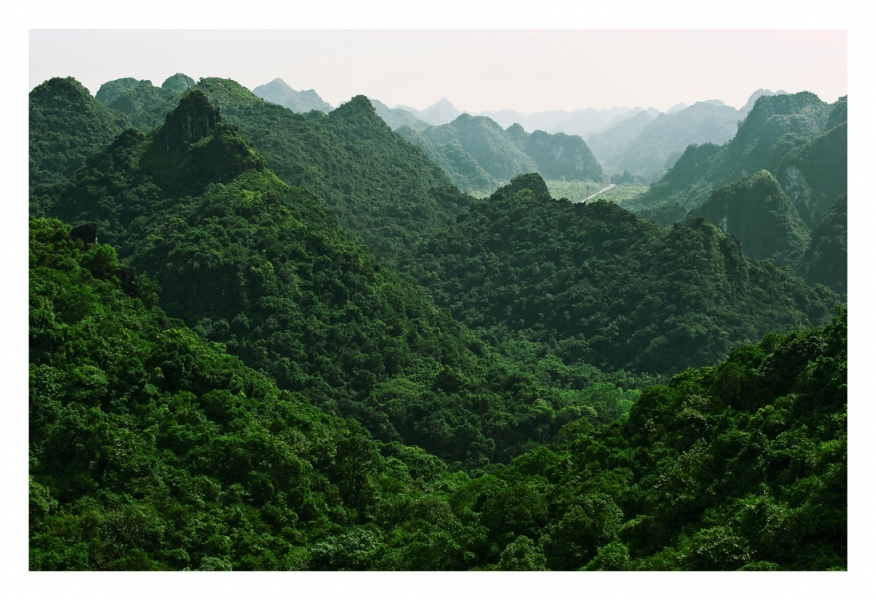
column 787, row 135
column 477, row 153
column 279, row 92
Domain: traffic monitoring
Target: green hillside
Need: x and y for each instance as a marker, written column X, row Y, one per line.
column 777, row 127
column 598, row 285
column 826, row 258
column 279, row 92
column 613, row 140
column 758, row 212
column 385, row 191
column 264, row 269
column 150, row 449
column 66, row 126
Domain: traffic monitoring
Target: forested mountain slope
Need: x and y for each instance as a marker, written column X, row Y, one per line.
column 265, row 270
column 152, row 450
column 385, row 191
column 777, row 129
column 397, row 117
column 826, row 258
column 66, row 126
column 760, row 215
column 741, row 466
column 601, row 286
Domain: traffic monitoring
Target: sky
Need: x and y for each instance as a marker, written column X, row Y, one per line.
column 476, row 69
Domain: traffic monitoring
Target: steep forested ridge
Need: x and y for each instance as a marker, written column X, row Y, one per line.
column 265, row 270
column 385, row 191
column 615, row 138
column 229, row 380
column 66, row 126
column 777, row 128
column 279, row 92
column 757, row 211
column 600, row 286
column 826, row 258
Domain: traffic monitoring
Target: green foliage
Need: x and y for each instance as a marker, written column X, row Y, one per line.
column 772, row 129
column 739, row 466
column 153, row 450
column 111, row 90
column 758, row 212
column 145, row 105
column 826, row 258
column 385, row 191
column 263, row 269
column 817, row 173
column 178, row 83
column 599, row 286
column 66, row 126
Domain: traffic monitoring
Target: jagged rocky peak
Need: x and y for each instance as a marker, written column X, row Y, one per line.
column 194, row 118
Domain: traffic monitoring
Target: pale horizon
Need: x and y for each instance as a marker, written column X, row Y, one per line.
column 526, row 71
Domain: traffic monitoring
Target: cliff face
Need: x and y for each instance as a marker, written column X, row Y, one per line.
column 193, row 119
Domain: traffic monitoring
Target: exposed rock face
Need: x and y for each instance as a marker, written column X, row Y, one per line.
column 87, row 232
column 193, row 119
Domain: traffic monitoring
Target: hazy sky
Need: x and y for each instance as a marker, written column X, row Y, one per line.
column 523, row 70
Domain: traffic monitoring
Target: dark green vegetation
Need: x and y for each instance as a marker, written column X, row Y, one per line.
column 146, row 105
column 826, row 259
column 478, row 155
column 758, row 212
column 599, row 286
column 264, row 269
column 178, row 82
column 66, row 126
column 385, row 191
column 279, row 92
column 151, row 449
column 267, row 394
column 111, row 90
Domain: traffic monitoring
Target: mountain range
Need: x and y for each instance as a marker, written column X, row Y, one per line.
column 269, row 340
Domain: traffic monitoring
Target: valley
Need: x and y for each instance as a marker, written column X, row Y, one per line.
column 267, row 333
